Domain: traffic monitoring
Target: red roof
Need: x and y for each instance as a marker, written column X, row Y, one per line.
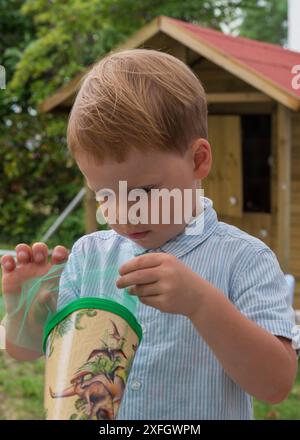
column 269, row 60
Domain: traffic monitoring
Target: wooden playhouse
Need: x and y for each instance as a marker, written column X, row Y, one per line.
column 253, row 94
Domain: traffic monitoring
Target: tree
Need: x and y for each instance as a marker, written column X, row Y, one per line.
column 13, row 43
column 265, row 20
column 31, row 154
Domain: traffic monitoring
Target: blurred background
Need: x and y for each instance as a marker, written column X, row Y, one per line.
column 44, row 45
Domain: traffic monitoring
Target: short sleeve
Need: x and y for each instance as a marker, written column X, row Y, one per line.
column 70, row 279
column 261, row 292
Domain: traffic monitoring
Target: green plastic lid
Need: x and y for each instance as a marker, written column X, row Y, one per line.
column 92, row 303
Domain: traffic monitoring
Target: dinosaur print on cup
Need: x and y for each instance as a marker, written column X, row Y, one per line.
column 88, row 361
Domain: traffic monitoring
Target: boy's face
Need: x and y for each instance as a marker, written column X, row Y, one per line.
column 144, row 170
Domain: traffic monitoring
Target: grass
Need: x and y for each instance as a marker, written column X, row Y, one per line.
column 21, row 392
column 21, row 389
column 287, row 410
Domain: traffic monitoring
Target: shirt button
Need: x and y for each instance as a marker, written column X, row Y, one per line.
column 135, row 384
column 143, row 328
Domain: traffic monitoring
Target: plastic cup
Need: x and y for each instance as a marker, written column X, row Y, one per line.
column 90, row 346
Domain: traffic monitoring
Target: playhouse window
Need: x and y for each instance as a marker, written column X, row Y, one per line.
column 256, row 153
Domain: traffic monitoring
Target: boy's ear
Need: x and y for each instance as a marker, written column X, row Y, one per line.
column 202, row 158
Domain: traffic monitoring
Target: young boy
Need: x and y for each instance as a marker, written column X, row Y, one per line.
column 216, row 326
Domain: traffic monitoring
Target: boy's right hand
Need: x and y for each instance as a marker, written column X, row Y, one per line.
column 32, row 262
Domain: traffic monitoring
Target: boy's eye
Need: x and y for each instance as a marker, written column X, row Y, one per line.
column 147, row 190
column 138, row 192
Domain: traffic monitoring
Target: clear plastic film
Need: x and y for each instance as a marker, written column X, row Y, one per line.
column 31, row 304
column 28, row 304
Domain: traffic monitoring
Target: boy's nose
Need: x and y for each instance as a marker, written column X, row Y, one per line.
column 120, row 210
column 125, row 212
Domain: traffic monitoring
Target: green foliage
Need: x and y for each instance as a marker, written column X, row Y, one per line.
column 38, row 177
column 69, row 231
column 18, row 32
column 265, row 20
column 128, row 15
column 21, row 389
column 70, row 35
column 37, row 174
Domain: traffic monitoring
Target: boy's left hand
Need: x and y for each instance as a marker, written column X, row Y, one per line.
column 162, row 281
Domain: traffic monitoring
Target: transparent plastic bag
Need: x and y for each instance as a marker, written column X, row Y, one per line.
column 32, row 306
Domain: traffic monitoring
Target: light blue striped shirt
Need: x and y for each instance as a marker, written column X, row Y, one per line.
column 175, row 375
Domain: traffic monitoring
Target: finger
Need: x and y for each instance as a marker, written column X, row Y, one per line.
column 59, row 255
column 24, row 253
column 8, row 263
column 40, row 253
column 142, row 276
column 144, row 290
column 141, row 262
column 151, row 300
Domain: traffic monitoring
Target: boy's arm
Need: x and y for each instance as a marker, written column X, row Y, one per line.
column 262, row 364
column 242, row 334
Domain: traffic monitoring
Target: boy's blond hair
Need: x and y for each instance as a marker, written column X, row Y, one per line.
column 137, row 98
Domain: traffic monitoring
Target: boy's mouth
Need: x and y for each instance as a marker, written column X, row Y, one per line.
column 138, row 234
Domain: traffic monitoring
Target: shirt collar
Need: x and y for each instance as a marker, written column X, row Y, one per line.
column 194, row 233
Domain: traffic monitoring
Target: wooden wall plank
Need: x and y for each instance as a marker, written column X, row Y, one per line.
column 224, row 183
column 283, row 189
column 295, row 205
